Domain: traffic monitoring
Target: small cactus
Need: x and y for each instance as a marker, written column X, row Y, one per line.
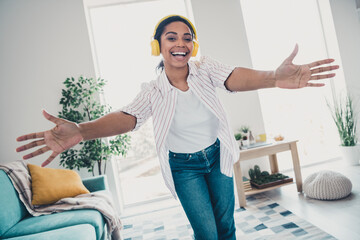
column 252, row 174
column 257, row 171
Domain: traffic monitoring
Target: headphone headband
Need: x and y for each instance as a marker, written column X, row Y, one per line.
column 174, row 15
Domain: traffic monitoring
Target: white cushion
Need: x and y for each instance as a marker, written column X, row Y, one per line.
column 327, row 185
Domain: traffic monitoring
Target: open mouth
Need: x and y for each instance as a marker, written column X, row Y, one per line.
column 179, row 54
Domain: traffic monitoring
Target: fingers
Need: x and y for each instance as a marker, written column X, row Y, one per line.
column 49, row 160
column 39, row 134
column 293, row 54
column 323, row 76
column 50, row 117
column 321, row 70
column 30, row 136
column 324, row 69
column 315, row 84
column 318, row 77
column 37, row 152
column 321, row 62
column 31, row 145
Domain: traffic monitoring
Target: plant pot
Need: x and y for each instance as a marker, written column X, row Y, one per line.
column 351, row 154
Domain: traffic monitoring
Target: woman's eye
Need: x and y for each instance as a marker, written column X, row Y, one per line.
column 188, row 39
column 171, row 38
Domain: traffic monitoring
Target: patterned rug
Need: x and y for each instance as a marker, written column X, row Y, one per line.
column 260, row 219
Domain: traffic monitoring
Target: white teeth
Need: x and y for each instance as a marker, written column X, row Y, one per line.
column 179, row 53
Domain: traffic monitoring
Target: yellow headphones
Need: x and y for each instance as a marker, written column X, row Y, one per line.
column 155, row 46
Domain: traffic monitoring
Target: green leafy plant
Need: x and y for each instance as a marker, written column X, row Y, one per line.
column 81, row 102
column 244, row 130
column 238, row 136
column 269, row 178
column 345, row 121
column 263, row 177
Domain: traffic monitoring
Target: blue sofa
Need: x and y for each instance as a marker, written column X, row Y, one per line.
column 16, row 223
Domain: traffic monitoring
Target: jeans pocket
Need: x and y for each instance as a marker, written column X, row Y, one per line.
column 179, row 157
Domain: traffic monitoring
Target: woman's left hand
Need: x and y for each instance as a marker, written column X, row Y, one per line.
column 291, row 76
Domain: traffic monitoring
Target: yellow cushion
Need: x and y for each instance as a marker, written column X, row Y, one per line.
column 50, row 185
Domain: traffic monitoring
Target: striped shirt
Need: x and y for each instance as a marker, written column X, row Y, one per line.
column 158, row 99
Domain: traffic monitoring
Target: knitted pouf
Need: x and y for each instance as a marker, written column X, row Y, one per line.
column 327, row 185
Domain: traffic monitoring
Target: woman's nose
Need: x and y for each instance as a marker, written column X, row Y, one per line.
column 180, row 43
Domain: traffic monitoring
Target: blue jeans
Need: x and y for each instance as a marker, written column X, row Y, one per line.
column 206, row 194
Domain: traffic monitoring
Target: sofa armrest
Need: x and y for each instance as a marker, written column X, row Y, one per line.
column 94, row 184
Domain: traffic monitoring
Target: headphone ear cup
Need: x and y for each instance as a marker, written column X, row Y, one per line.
column 195, row 49
column 155, row 48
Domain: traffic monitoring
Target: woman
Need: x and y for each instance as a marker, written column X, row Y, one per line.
column 194, row 142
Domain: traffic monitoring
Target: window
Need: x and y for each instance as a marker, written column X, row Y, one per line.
column 273, row 28
column 121, row 35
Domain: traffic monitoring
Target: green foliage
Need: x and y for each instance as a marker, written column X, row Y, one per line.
column 269, row 178
column 238, row 136
column 252, row 174
column 262, row 177
column 345, row 120
column 245, row 129
column 80, row 102
column 257, row 171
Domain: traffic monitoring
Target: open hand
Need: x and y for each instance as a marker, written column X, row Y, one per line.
column 291, row 76
column 63, row 136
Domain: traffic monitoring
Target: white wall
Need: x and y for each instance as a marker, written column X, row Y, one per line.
column 42, row 42
column 222, row 35
column 347, row 27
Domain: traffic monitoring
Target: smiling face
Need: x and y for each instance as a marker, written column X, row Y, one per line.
column 176, row 45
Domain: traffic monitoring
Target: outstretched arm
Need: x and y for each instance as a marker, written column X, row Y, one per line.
column 67, row 134
column 112, row 124
column 287, row 75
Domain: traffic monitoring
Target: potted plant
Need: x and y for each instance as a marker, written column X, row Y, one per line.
column 238, row 137
column 246, row 135
column 80, row 102
column 345, row 121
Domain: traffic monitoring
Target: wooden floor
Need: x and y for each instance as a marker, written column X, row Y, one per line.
column 340, row 218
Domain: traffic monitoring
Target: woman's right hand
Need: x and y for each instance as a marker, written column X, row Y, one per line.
column 63, row 136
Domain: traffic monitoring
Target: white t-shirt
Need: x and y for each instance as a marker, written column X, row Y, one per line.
column 194, row 127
